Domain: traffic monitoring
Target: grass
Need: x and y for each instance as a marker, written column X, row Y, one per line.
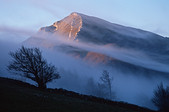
column 17, row 96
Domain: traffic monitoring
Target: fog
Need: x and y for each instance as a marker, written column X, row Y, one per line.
column 76, row 73
column 14, row 35
column 126, row 55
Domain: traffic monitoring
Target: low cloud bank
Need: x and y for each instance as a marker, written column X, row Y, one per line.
column 75, row 74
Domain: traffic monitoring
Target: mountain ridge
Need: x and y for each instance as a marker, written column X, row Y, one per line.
column 75, row 16
column 98, row 31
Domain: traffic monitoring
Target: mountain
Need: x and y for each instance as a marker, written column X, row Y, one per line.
column 85, row 28
column 128, row 43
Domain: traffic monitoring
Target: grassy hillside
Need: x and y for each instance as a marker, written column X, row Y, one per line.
column 17, row 96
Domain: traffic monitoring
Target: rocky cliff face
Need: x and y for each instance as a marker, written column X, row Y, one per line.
column 67, row 27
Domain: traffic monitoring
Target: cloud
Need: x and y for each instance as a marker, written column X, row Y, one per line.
column 16, row 30
column 14, row 34
column 134, row 57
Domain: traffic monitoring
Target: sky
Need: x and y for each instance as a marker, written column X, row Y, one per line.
column 28, row 16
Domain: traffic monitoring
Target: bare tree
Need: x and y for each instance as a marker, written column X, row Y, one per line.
column 161, row 98
column 28, row 62
column 106, row 82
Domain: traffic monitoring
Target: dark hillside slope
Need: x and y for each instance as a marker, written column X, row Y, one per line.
column 17, row 96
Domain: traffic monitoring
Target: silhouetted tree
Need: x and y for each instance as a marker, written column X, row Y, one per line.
column 106, row 82
column 28, row 62
column 161, row 98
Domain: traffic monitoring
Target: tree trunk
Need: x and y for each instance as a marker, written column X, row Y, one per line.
column 109, row 87
column 42, row 85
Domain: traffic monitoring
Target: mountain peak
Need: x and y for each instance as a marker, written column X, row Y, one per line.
column 67, row 27
column 74, row 14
